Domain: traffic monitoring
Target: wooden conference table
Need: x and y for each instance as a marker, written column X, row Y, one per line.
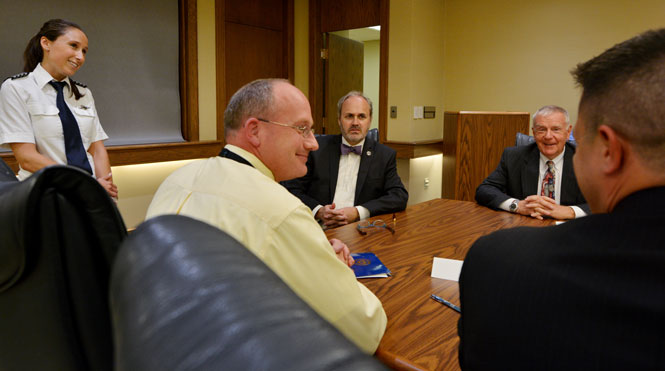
column 421, row 333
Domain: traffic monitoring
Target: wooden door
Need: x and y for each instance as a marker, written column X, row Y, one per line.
column 344, row 72
column 254, row 40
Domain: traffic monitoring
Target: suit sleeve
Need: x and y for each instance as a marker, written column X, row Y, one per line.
column 394, row 197
column 299, row 187
column 492, row 191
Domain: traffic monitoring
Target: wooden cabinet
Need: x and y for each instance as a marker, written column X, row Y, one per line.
column 472, row 147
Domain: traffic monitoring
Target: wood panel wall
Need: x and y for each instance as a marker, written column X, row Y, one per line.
column 344, row 73
column 254, row 40
column 337, row 15
column 472, row 146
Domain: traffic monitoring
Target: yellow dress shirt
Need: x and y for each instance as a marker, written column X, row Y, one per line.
column 277, row 227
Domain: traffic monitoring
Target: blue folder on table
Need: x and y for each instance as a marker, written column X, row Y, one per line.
column 368, row 265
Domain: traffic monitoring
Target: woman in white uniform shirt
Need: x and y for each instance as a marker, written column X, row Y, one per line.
column 29, row 117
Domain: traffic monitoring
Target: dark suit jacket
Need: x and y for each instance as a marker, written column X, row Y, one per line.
column 517, row 177
column 378, row 188
column 588, row 294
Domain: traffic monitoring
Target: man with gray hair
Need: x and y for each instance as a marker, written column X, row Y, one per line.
column 268, row 126
column 587, row 294
column 351, row 176
column 538, row 179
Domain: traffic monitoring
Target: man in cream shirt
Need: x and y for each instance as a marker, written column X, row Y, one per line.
column 268, row 130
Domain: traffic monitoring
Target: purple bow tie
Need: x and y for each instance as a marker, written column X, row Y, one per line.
column 346, row 149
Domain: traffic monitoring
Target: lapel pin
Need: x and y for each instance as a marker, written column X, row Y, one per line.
column 369, row 153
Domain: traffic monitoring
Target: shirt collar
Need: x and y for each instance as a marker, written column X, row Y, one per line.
column 558, row 160
column 42, row 77
column 258, row 165
column 344, row 141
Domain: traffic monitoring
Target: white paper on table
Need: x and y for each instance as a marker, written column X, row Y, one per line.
column 447, row 269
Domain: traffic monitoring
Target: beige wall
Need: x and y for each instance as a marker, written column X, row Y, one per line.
column 516, row 55
column 372, row 50
column 205, row 17
column 512, row 55
column 415, row 68
column 136, row 186
column 301, row 45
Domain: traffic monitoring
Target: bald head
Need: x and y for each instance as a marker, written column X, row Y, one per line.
column 272, row 120
column 252, row 100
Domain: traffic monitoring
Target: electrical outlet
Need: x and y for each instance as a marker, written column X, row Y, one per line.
column 426, row 183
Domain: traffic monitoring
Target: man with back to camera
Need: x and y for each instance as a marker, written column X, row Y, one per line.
column 537, row 179
column 587, row 294
column 268, row 126
column 351, row 176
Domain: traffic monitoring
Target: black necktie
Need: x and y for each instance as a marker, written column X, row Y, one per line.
column 74, row 150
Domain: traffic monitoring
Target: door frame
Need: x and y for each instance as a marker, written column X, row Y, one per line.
column 316, row 76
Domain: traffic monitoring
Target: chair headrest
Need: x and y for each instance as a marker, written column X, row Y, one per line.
column 6, row 172
column 525, row 140
column 21, row 208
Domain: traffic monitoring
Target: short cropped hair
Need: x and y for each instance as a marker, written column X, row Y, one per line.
column 252, row 100
column 353, row 93
column 624, row 88
column 548, row 110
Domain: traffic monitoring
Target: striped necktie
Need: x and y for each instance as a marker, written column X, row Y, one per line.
column 548, row 181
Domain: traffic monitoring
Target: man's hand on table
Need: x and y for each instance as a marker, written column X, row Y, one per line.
column 543, row 206
column 342, row 251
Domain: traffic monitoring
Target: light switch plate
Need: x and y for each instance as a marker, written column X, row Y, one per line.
column 418, row 112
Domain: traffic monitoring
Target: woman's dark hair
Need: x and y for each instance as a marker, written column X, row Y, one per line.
column 34, row 53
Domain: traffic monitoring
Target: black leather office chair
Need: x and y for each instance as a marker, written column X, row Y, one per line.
column 59, row 232
column 373, row 133
column 6, row 172
column 187, row 296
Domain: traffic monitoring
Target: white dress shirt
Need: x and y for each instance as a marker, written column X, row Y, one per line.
column 347, row 176
column 558, row 171
column 28, row 114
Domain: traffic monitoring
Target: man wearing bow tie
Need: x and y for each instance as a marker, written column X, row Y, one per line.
column 350, row 177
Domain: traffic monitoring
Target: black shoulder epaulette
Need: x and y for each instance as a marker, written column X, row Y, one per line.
column 18, row 76
column 78, row 83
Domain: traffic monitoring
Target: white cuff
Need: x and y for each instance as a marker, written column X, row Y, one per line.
column 505, row 205
column 578, row 212
column 315, row 210
column 363, row 213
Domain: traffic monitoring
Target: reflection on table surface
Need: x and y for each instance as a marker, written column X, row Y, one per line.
column 421, row 333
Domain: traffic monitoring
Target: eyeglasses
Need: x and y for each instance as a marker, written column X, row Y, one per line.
column 362, row 225
column 541, row 131
column 304, row 130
